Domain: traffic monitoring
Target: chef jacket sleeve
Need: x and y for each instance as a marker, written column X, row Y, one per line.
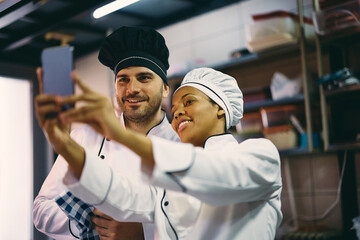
column 231, row 173
column 48, row 218
column 122, row 198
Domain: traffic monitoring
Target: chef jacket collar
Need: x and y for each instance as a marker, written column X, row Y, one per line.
column 155, row 130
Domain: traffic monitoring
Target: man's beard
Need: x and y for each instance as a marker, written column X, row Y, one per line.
column 142, row 115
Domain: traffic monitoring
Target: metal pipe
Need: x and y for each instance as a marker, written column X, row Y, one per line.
column 307, row 97
column 320, row 69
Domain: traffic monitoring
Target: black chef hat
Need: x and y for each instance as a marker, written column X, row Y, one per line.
column 135, row 46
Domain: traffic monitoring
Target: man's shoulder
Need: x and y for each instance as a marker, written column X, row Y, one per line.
column 164, row 130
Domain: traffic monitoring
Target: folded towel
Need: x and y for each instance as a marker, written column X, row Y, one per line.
column 80, row 212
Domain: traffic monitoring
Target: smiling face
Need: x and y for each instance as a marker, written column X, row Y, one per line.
column 195, row 116
column 139, row 92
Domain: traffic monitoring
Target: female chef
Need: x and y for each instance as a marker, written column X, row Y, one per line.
column 233, row 189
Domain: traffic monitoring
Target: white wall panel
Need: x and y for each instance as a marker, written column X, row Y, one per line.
column 16, row 159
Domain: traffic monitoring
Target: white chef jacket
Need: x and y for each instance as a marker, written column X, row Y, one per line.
column 50, row 219
column 232, row 190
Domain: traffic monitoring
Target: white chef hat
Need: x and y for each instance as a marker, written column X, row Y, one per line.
column 221, row 88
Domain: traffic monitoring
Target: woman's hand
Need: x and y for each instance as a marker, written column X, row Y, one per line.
column 96, row 111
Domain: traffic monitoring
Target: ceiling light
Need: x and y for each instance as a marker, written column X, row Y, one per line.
column 112, row 7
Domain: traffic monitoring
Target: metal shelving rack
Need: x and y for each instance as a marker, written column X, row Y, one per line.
column 320, row 41
column 345, row 152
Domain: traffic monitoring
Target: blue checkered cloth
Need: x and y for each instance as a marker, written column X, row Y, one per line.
column 80, row 212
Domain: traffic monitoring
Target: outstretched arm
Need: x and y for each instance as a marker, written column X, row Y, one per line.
column 236, row 172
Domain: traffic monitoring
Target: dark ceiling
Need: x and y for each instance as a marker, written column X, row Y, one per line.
column 27, row 27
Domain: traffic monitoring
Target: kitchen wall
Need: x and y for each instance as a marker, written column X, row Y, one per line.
column 208, row 39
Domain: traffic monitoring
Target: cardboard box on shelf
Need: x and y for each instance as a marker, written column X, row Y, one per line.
column 283, row 136
column 280, row 115
column 250, row 124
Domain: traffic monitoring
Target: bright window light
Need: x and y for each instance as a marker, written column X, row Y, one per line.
column 112, row 7
column 16, row 159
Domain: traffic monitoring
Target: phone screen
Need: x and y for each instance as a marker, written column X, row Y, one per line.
column 57, row 64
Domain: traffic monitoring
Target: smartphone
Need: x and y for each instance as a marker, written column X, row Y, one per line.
column 57, row 64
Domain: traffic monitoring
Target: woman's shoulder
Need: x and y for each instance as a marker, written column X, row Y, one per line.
column 260, row 146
